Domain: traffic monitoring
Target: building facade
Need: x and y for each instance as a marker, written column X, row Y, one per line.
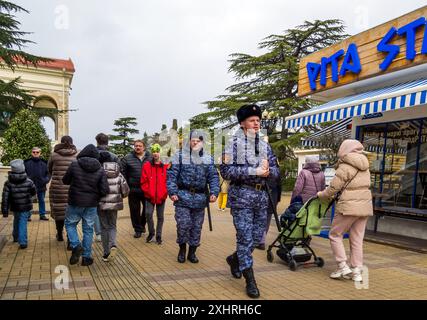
column 50, row 82
column 374, row 85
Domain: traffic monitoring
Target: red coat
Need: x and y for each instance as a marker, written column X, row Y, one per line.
column 153, row 182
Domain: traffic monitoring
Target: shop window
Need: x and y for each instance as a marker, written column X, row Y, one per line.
column 421, row 191
column 398, row 162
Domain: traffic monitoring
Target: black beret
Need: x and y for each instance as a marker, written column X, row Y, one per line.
column 248, row 110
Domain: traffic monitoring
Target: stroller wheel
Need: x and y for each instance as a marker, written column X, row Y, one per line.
column 319, row 262
column 293, row 265
column 270, row 256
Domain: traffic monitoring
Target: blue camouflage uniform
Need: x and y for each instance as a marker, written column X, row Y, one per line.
column 187, row 178
column 247, row 196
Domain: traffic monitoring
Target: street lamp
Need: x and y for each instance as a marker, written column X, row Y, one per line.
column 269, row 121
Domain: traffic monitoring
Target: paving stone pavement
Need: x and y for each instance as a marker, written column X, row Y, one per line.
column 150, row 271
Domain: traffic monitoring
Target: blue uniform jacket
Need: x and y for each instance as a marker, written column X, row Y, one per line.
column 187, row 172
column 239, row 166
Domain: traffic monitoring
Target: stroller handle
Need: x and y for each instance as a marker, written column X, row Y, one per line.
column 311, row 199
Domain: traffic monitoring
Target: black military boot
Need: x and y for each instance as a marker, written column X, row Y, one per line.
column 233, row 262
column 192, row 254
column 181, row 254
column 251, row 287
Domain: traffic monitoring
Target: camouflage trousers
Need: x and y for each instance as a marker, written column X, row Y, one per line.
column 189, row 224
column 250, row 227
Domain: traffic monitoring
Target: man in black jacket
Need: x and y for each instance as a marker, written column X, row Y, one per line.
column 17, row 196
column 88, row 184
column 102, row 146
column 37, row 171
column 131, row 166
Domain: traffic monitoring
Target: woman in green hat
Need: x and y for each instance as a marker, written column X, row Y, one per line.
column 153, row 184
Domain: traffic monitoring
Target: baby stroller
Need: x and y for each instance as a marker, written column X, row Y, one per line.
column 293, row 241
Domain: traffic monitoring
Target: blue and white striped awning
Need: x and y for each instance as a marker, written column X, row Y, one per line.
column 402, row 95
column 342, row 131
column 339, row 129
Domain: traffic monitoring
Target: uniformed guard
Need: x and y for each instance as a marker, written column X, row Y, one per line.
column 192, row 170
column 248, row 162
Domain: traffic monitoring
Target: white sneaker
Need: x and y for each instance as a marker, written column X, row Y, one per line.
column 113, row 252
column 357, row 275
column 98, row 238
column 343, row 271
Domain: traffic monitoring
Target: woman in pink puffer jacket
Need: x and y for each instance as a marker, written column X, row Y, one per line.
column 353, row 208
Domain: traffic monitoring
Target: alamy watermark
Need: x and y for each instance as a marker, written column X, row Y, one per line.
column 223, row 145
column 62, row 17
column 62, row 281
column 361, row 17
column 364, row 284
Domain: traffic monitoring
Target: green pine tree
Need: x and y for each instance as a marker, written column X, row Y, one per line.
column 145, row 138
column 24, row 132
column 12, row 97
column 124, row 141
column 271, row 80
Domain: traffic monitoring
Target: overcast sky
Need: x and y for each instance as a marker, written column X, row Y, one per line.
column 157, row 60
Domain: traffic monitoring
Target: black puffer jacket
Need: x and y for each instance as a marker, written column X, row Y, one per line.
column 87, row 179
column 17, row 193
column 131, row 167
column 104, row 153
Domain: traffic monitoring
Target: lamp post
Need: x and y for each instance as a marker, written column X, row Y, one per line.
column 269, row 121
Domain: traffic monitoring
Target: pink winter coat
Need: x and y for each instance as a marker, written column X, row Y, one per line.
column 310, row 181
column 353, row 168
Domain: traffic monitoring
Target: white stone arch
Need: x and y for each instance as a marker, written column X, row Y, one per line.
column 46, row 101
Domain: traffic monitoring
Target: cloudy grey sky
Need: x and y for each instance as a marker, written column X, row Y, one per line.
column 159, row 59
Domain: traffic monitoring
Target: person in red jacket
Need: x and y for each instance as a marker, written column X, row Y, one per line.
column 153, row 184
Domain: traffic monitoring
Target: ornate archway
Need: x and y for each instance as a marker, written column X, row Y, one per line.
column 50, row 110
column 50, row 82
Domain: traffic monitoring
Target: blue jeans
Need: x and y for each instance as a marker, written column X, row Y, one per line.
column 72, row 218
column 42, row 206
column 20, row 220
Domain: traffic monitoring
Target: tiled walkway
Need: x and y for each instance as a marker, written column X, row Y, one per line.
column 150, row 271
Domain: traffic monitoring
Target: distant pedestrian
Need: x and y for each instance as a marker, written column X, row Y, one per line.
column 222, row 198
column 61, row 158
column 17, row 196
column 110, row 204
column 352, row 183
column 37, row 171
column 88, row 184
column 102, row 146
column 153, row 184
column 310, row 180
column 131, row 166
